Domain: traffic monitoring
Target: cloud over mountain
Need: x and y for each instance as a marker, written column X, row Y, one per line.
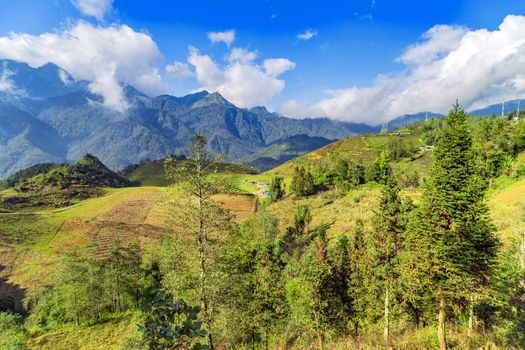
column 107, row 56
column 242, row 80
column 479, row 67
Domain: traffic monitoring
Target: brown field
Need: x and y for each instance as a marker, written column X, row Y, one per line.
column 127, row 220
column 242, row 206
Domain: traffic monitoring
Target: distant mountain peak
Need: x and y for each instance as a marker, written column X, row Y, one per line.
column 211, row 99
column 46, row 81
column 259, row 110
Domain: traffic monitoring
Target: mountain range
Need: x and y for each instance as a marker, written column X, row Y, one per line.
column 47, row 116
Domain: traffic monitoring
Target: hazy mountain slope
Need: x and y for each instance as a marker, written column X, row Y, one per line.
column 25, row 140
column 48, row 117
column 282, row 150
column 495, row 109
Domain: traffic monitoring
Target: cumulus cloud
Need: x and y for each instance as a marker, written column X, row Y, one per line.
column 226, row 37
column 178, row 70
column 238, row 54
column 94, row 8
column 307, row 35
column 241, row 80
column 106, row 56
column 440, row 40
column 277, row 66
column 479, row 67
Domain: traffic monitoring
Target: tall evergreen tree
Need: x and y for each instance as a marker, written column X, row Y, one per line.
column 389, row 225
column 196, row 213
column 359, row 265
column 453, row 235
column 313, row 294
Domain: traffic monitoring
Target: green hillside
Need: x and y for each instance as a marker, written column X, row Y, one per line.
column 61, row 261
column 362, row 149
column 282, row 150
column 150, row 174
column 153, row 173
column 58, row 185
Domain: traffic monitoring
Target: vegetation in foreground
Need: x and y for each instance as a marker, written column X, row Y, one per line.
column 415, row 262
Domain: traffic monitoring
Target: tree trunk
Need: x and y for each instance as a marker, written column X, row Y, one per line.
column 471, row 317
column 320, row 341
column 202, row 280
column 442, row 336
column 386, row 329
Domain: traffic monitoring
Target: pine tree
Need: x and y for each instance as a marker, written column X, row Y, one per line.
column 195, row 212
column 453, row 236
column 277, row 189
column 269, row 301
column 389, row 225
column 342, row 279
column 358, row 269
column 313, row 294
column 302, row 182
column 256, row 256
column 299, row 228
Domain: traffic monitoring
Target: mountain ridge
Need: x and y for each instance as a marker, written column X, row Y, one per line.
column 58, row 119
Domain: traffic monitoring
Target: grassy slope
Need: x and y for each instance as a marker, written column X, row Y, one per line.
column 150, row 174
column 329, row 207
column 48, row 234
column 363, row 148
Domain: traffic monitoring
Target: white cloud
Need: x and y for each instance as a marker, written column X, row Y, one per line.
column 238, row 54
column 277, row 66
column 178, row 70
column 94, row 8
column 106, row 56
column 307, row 35
column 65, row 77
column 206, row 71
column 242, row 81
column 440, row 40
column 226, row 37
column 479, row 67
column 6, row 84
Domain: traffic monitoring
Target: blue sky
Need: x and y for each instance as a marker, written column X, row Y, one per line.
column 350, row 65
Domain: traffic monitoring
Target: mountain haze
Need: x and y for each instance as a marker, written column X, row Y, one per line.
column 46, row 116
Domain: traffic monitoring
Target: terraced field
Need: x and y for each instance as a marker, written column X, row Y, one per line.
column 30, row 243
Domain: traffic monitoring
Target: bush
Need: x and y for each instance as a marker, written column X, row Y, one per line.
column 302, row 183
column 13, row 335
column 277, row 189
column 397, row 149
